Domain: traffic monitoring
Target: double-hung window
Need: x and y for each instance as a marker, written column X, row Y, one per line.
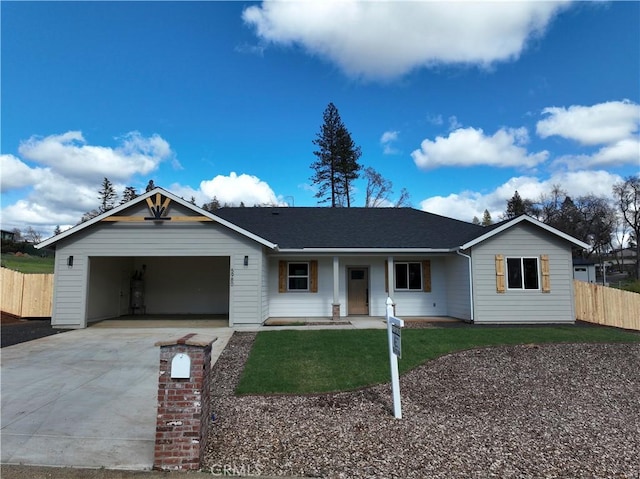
column 408, row 276
column 523, row 273
column 298, row 276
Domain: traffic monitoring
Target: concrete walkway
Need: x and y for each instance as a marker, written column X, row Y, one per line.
column 85, row 398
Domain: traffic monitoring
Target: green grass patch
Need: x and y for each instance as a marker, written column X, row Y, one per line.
column 633, row 286
column 299, row 362
column 28, row 264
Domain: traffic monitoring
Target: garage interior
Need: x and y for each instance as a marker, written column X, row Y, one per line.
column 155, row 287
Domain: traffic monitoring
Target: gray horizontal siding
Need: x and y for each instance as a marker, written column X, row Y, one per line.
column 148, row 240
column 457, row 286
column 518, row 305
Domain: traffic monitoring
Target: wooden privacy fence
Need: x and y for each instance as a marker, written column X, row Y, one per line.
column 607, row 306
column 26, row 295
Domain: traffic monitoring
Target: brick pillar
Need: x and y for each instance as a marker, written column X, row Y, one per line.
column 335, row 312
column 183, row 402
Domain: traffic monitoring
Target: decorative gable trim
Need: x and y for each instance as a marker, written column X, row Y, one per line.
column 112, row 215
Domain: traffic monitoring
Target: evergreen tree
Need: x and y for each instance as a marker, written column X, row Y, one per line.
column 150, row 186
column 128, row 194
column 486, row 218
column 337, row 164
column 212, row 205
column 107, row 196
column 475, row 220
column 516, row 206
column 57, row 231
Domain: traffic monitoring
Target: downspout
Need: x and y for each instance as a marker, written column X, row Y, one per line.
column 470, row 282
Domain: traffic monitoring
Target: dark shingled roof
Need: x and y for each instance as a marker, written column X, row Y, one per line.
column 323, row 227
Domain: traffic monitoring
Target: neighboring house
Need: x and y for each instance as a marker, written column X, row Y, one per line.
column 7, row 235
column 159, row 254
column 584, row 270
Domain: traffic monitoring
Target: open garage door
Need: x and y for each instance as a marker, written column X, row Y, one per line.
column 159, row 286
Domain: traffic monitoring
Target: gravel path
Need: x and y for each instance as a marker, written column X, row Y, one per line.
column 564, row 410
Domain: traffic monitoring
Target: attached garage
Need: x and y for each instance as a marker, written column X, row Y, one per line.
column 121, row 286
column 158, row 255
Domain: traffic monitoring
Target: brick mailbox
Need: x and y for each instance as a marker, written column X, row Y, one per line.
column 184, row 401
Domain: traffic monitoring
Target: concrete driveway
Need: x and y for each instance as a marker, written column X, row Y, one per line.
column 85, row 398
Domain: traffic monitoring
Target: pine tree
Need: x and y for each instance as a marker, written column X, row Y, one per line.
column 486, row 218
column 107, row 196
column 516, row 206
column 337, row 164
column 128, row 194
column 212, row 205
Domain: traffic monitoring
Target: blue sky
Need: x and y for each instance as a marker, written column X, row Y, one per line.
column 459, row 103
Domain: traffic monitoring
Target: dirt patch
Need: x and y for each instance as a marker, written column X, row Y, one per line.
column 16, row 330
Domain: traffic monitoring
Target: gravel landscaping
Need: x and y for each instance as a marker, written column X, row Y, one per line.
column 555, row 410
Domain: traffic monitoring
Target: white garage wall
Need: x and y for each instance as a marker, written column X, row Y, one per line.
column 186, row 285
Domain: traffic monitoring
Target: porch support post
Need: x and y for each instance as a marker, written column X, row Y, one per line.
column 335, row 309
column 390, row 279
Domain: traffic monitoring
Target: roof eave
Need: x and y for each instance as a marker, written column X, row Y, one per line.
column 177, row 199
column 518, row 220
column 365, row 250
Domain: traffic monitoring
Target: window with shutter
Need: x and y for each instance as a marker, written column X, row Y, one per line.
column 298, row 276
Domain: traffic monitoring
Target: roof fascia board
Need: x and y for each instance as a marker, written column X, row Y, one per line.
column 519, row 220
column 143, row 197
column 365, row 250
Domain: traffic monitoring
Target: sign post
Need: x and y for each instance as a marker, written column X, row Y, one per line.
column 395, row 350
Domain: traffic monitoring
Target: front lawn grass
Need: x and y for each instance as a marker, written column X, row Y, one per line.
column 312, row 361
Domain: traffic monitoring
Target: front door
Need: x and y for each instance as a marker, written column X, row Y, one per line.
column 358, row 291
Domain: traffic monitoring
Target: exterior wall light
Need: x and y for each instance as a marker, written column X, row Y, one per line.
column 70, row 261
column 246, row 261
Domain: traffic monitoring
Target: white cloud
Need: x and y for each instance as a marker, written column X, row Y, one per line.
column 62, row 174
column 613, row 124
column 386, row 140
column 234, row 189
column 471, row 147
column 383, row 40
column 70, row 155
column 17, row 174
column 601, row 124
column 467, row 204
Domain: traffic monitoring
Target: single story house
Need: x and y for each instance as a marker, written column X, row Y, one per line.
column 159, row 254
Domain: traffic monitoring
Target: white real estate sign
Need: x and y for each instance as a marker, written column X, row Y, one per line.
column 395, row 349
